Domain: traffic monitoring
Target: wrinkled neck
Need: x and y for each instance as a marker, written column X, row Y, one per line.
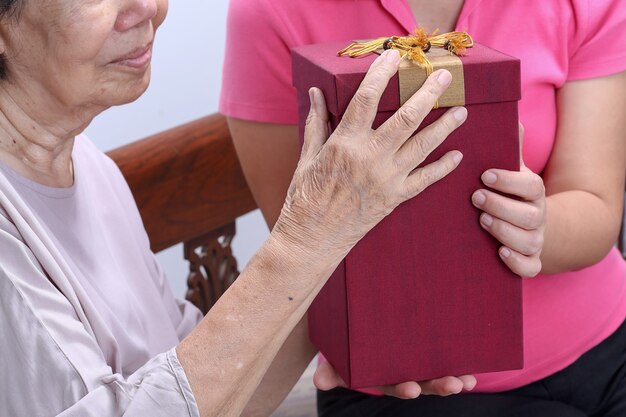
column 35, row 143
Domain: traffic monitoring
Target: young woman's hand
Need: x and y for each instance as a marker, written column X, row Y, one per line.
column 326, row 378
column 518, row 221
column 346, row 183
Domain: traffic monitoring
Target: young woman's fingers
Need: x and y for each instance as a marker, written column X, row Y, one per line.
column 469, row 382
column 525, row 242
column 521, row 144
column 405, row 390
column 326, row 378
column 524, row 184
column 526, row 215
column 442, row 386
column 524, row 266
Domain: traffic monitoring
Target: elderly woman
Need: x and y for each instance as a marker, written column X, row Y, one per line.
column 89, row 326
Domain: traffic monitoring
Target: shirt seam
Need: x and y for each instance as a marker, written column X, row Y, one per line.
column 258, row 114
column 291, row 40
column 250, row 106
column 599, row 67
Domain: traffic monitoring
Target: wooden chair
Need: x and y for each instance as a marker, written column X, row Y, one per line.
column 189, row 188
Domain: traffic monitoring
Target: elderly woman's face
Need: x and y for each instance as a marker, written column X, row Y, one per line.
column 82, row 52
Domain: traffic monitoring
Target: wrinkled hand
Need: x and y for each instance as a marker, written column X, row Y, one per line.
column 518, row 224
column 326, row 378
column 346, row 184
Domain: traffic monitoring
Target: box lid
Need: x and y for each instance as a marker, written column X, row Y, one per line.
column 490, row 76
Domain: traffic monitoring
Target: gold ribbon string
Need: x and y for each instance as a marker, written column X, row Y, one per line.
column 414, row 47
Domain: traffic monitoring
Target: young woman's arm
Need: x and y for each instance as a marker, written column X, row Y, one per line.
column 585, row 175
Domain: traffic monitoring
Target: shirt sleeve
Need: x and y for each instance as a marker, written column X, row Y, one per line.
column 257, row 81
column 159, row 389
column 598, row 47
column 53, row 366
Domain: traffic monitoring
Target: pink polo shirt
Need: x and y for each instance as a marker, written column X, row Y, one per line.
column 565, row 315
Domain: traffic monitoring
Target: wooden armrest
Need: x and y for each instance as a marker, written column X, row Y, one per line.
column 189, row 188
column 186, row 181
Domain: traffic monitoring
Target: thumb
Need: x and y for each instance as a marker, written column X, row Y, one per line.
column 326, row 378
column 521, row 147
column 316, row 131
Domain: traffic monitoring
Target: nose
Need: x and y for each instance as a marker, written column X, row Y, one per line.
column 134, row 13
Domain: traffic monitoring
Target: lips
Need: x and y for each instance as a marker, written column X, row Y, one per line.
column 137, row 58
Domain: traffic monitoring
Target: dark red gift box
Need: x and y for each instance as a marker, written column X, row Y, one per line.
column 424, row 294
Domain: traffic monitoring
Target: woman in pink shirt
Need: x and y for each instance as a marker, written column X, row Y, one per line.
column 573, row 55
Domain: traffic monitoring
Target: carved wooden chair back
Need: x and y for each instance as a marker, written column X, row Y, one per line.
column 189, row 188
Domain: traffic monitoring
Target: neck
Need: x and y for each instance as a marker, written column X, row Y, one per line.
column 436, row 14
column 37, row 142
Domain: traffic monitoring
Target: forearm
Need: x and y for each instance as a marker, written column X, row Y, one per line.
column 269, row 154
column 584, row 177
column 287, row 367
column 226, row 356
column 292, row 358
column 581, row 228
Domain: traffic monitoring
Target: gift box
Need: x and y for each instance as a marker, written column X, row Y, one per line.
column 424, row 294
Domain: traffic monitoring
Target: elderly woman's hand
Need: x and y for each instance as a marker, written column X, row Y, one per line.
column 518, row 221
column 346, row 184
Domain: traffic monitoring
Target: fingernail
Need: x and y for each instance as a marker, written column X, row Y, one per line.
column 457, row 157
column 444, row 78
column 312, row 96
column 489, row 177
column 479, row 198
column 460, row 114
column 471, row 386
column 486, row 219
column 505, row 253
column 392, row 56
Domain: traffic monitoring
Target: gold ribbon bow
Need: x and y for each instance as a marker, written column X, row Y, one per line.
column 414, row 46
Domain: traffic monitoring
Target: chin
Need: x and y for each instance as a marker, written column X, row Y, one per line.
column 130, row 91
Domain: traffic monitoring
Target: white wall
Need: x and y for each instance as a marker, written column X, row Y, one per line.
column 186, row 76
